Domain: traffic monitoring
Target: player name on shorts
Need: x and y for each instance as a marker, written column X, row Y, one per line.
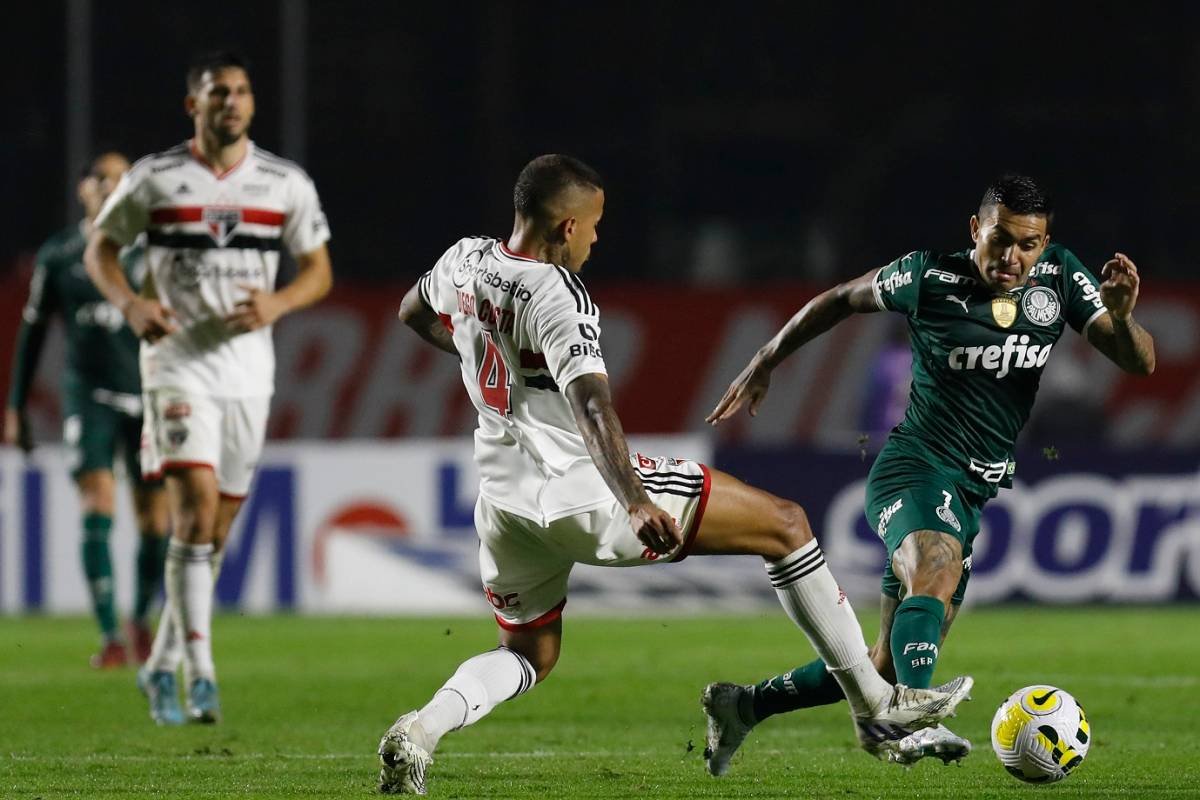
column 1001, row 357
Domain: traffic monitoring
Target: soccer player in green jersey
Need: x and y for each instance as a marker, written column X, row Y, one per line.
column 982, row 323
column 102, row 410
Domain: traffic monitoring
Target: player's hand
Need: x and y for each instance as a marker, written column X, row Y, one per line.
column 17, row 431
column 654, row 527
column 149, row 319
column 1119, row 290
column 750, row 386
column 258, row 310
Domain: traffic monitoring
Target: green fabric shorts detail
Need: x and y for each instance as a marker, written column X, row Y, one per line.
column 905, row 496
column 96, row 434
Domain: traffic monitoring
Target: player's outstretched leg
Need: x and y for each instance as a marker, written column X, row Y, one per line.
column 742, row 519
column 732, row 710
column 479, row 685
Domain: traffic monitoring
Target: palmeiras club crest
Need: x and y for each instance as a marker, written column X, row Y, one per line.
column 222, row 221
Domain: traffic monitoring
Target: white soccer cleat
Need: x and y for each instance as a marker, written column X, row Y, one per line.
column 404, row 761
column 907, row 711
column 726, row 730
column 938, row 741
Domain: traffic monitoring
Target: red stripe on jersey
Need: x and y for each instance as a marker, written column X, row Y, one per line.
column 254, row 216
column 689, row 537
column 515, row 254
column 544, row 619
column 532, row 360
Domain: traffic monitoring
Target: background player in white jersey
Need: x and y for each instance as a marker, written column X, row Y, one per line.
column 216, row 211
column 559, row 487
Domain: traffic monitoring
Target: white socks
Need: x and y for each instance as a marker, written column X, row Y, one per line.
column 168, row 644
column 186, row 624
column 811, row 597
column 480, row 684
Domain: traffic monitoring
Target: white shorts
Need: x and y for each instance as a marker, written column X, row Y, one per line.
column 524, row 566
column 183, row 429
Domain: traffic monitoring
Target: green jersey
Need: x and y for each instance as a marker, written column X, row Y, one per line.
column 102, row 352
column 978, row 356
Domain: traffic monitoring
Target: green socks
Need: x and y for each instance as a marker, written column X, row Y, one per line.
column 97, row 567
column 916, row 632
column 804, row 687
column 151, row 557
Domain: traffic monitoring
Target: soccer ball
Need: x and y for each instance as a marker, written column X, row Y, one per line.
column 1040, row 734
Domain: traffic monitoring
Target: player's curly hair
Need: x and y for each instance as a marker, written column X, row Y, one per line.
column 1020, row 194
column 211, row 62
column 544, row 178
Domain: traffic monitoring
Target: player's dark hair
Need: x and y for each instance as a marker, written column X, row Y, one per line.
column 85, row 170
column 212, row 62
column 1020, row 194
column 545, row 178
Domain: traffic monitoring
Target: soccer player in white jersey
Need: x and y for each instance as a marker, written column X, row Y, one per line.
column 216, row 211
column 558, row 485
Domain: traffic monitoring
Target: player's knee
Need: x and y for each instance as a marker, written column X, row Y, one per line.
column 791, row 530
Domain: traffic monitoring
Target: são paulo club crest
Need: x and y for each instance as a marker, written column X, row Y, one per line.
column 1041, row 305
column 222, row 221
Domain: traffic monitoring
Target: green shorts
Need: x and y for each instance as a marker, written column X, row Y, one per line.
column 98, row 427
column 905, row 495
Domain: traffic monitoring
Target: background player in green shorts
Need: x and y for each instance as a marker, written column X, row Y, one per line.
column 101, row 408
column 982, row 324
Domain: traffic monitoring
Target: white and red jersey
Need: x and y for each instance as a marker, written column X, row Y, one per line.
column 210, row 235
column 524, row 330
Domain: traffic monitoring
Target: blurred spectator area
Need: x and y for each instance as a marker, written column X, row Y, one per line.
column 771, row 141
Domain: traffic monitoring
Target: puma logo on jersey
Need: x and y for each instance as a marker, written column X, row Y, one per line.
column 1015, row 353
column 962, row 303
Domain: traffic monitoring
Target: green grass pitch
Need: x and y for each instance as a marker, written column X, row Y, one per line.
column 306, row 701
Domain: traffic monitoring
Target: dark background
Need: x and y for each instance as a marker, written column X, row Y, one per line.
column 739, row 142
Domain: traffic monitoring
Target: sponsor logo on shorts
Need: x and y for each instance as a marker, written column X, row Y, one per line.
column 177, row 409
column 886, row 515
column 947, row 516
column 499, row 601
column 1041, row 306
column 177, row 435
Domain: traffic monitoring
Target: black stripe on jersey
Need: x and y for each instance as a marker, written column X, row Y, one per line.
column 652, row 490
column 669, row 477
column 423, row 288
column 178, row 151
column 589, row 306
column 202, row 241
column 687, row 476
column 676, row 485
column 541, row 382
column 562, row 273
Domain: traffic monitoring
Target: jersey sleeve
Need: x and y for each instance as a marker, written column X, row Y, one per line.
column 1081, row 291
column 436, row 287
column 126, row 213
column 898, row 285
column 306, row 228
column 42, row 300
column 566, row 329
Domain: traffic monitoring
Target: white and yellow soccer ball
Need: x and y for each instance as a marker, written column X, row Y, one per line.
column 1040, row 734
